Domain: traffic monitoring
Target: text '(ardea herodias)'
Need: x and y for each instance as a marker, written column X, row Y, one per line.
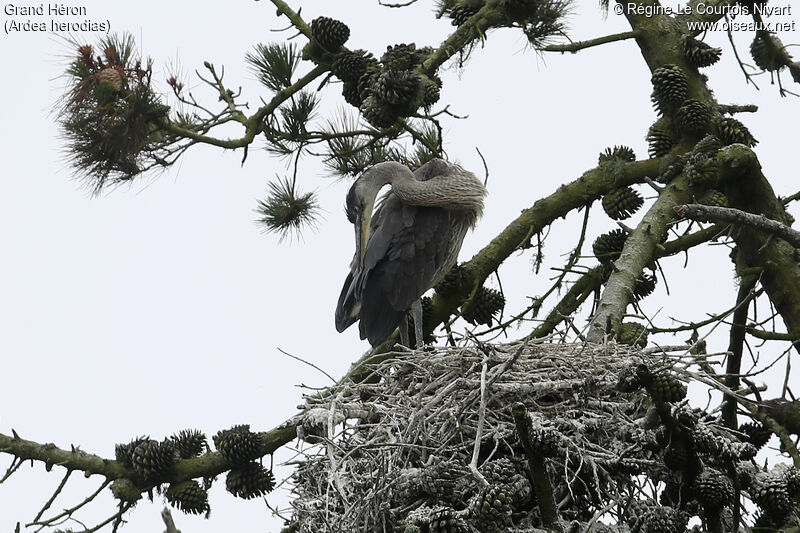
column 408, row 246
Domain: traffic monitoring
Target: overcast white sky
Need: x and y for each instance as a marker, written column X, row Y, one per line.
column 162, row 305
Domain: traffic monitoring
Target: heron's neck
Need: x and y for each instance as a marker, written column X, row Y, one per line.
column 457, row 191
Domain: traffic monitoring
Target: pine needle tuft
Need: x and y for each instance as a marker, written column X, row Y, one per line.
column 286, row 212
column 274, row 64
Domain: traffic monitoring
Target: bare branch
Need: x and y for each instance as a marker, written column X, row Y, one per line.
column 582, row 45
column 727, row 214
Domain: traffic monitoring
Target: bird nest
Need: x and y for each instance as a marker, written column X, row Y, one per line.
column 433, row 445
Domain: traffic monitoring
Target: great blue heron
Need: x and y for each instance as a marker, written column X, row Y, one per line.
column 407, row 246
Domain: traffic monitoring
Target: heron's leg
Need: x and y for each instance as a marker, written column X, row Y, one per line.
column 416, row 313
column 403, row 327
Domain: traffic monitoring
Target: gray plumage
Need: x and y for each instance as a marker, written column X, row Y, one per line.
column 412, row 240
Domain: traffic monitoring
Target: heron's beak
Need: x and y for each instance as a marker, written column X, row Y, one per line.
column 363, row 220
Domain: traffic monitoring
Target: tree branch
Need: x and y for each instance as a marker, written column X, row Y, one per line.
column 295, row 18
column 748, row 189
column 581, row 45
column 640, row 249
column 207, row 465
column 707, row 213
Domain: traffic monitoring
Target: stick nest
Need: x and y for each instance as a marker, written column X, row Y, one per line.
column 397, row 455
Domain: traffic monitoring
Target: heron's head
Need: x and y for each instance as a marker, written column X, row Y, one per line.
column 361, row 199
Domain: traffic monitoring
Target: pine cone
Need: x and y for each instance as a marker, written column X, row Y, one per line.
column 431, row 88
column 152, row 459
column 632, row 334
column 545, row 440
column 444, row 521
column 669, row 87
column 330, row 33
column 715, row 198
column 665, row 388
column 701, row 171
column 351, row 94
column 486, row 303
column 708, row 146
column 676, row 457
column 664, row 520
column 757, row 433
column 427, row 320
column 500, row 471
column 492, row 509
column 112, row 77
column 461, row 13
column 770, row 491
column 399, row 87
column 792, row 477
column 189, row 443
column 735, row 451
column 694, row 116
column 455, row 281
column 768, row 52
column 351, row 65
column 367, row 81
column 621, row 203
column 700, row 54
column 731, row 131
column 124, row 452
column 400, row 57
column 238, row 444
column 249, row 481
column 645, row 286
column 618, row 153
column 713, row 490
column 703, row 439
column 659, row 141
column 377, row 113
column 670, row 168
column 608, row 246
column 188, row 496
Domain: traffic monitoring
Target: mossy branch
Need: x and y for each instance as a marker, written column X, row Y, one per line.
column 640, row 249
column 208, row 465
column 748, row 190
column 295, row 18
column 475, row 27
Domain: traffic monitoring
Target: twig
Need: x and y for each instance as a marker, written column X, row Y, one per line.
column 16, row 462
column 58, row 490
column 485, row 166
column 473, row 465
column 69, row 512
column 312, row 365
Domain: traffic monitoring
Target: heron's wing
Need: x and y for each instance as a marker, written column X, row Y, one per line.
column 349, row 304
column 409, row 251
column 347, row 308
